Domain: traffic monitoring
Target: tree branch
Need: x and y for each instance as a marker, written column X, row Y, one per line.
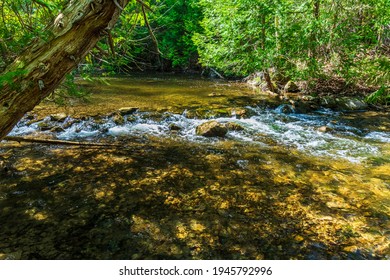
column 117, row 4
column 57, row 142
column 145, row 5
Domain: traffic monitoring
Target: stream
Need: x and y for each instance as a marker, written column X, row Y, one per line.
column 280, row 185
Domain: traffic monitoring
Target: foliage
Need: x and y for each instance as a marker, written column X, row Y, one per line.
column 301, row 39
column 69, row 90
column 22, row 21
column 171, row 22
column 177, row 21
column 381, row 96
column 9, row 78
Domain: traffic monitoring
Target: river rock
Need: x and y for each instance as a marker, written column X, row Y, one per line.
column 304, row 107
column 328, row 102
column 291, row 87
column 127, row 110
column 29, row 116
column 44, row 126
column 351, row 104
column 174, row 127
column 239, row 112
column 214, row 94
column 285, row 109
column 211, row 129
column 234, row 126
column 60, row 117
column 324, row 129
column 118, row 119
column 57, row 129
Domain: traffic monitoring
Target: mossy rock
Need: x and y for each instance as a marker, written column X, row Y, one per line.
column 44, row 126
column 127, row 110
column 118, row 119
column 60, row 117
column 234, row 126
column 211, row 129
column 174, row 127
column 351, row 104
column 291, row 87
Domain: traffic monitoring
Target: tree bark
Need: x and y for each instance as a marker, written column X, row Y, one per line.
column 44, row 64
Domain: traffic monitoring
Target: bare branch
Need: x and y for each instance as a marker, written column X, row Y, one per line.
column 145, row 5
column 117, row 4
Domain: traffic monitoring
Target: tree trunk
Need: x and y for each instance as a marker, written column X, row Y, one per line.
column 44, row 64
column 313, row 35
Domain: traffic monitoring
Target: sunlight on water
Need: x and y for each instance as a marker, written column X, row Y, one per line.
column 279, row 185
column 299, row 131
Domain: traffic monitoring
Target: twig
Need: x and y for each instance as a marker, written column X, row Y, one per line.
column 117, row 4
column 151, row 33
column 216, row 73
column 145, row 5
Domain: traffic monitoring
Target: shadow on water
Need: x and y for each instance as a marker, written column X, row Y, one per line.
column 171, row 198
column 163, row 199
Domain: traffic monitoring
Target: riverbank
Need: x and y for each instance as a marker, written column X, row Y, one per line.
column 333, row 94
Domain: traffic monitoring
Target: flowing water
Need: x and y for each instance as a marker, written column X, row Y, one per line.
column 279, row 185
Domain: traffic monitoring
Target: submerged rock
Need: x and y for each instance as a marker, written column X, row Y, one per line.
column 214, row 94
column 211, row 129
column 285, row 109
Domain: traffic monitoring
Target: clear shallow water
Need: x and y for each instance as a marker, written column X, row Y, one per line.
column 278, row 189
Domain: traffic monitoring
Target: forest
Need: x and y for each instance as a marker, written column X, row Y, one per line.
column 341, row 43
column 194, row 129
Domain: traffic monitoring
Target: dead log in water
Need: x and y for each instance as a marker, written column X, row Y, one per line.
column 58, row 142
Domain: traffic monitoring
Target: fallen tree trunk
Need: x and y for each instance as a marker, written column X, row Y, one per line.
column 44, row 64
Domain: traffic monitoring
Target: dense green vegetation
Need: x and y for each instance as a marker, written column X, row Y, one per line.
column 315, row 42
column 303, row 40
column 167, row 166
